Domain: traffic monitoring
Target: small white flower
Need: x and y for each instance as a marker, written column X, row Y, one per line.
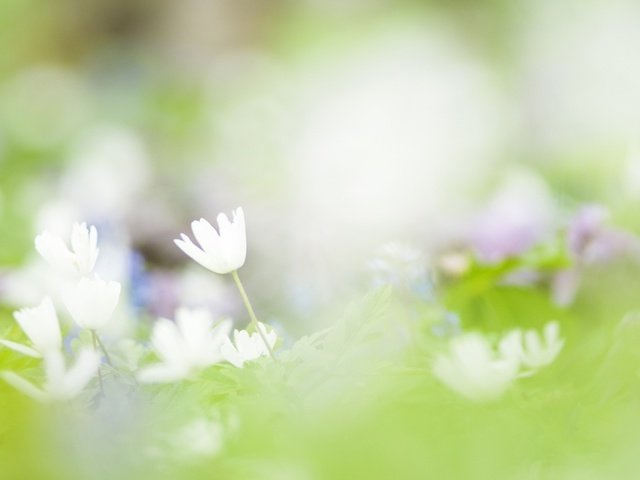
column 82, row 256
column 92, row 301
column 41, row 325
column 186, row 346
column 247, row 347
column 474, row 369
column 221, row 252
column 60, row 383
column 536, row 353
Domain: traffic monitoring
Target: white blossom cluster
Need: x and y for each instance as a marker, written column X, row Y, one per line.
column 184, row 347
column 475, row 369
column 90, row 302
column 473, row 366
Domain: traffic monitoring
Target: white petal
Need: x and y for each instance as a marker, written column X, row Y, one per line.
column 55, row 369
column 224, row 225
column 81, row 373
column 243, row 342
column 552, row 332
column 54, row 251
column 24, row 386
column 240, row 234
column 206, row 236
column 215, row 340
column 510, row 346
column 472, row 369
column 195, row 326
column 532, row 343
column 222, row 329
column 168, row 342
column 41, row 325
column 84, row 242
column 233, row 243
column 79, row 237
column 238, row 217
column 230, row 354
column 18, row 347
column 92, row 302
column 269, row 333
column 221, row 252
column 187, row 246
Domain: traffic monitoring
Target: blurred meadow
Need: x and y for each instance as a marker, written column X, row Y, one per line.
column 412, row 173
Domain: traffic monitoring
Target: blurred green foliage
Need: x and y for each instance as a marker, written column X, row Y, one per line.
column 356, row 400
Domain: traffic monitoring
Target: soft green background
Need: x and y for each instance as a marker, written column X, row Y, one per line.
column 358, row 400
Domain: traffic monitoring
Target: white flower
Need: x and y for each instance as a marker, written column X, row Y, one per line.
column 92, row 301
column 536, row 353
column 221, row 252
column 186, row 346
column 474, row 369
column 60, row 383
column 41, row 325
column 83, row 254
column 247, row 347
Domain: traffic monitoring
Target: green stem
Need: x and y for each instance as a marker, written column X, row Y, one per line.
column 94, row 339
column 247, row 304
column 102, row 347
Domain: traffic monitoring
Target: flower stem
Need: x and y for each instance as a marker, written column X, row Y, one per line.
column 95, row 340
column 247, row 304
column 103, row 348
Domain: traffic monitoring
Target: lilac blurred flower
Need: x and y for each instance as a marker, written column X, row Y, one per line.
column 589, row 241
column 518, row 216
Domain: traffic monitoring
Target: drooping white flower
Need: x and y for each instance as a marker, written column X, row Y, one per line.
column 186, row 346
column 41, row 325
column 61, row 383
column 247, row 347
column 474, row 369
column 538, row 352
column 91, row 302
column 221, row 252
column 82, row 256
